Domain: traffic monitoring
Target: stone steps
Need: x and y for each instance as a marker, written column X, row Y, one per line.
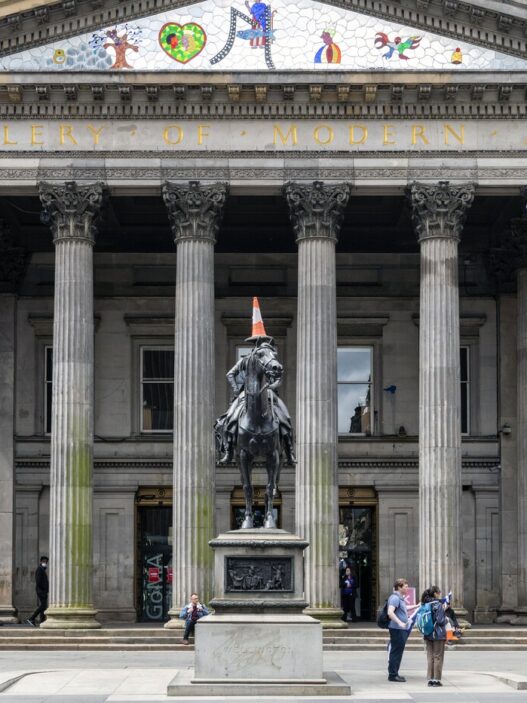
column 158, row 639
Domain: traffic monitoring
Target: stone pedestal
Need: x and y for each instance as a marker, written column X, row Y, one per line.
column 258, row 641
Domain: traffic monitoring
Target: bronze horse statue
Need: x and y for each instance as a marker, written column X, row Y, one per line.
column 258, row 434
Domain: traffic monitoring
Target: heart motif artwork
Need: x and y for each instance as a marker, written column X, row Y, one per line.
column 182, row 42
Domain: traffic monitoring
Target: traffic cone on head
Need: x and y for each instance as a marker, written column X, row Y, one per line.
column 258, row 332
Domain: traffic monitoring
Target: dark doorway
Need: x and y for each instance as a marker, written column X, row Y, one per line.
column 357, row 544
column 155, row 563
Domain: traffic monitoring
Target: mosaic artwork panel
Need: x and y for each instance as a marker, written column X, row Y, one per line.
column 230, row 35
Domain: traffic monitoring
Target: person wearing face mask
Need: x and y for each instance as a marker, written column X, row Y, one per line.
column 42, row 589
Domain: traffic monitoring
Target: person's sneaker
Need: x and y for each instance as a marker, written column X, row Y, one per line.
column 185, row 641
column 31, row 622
column 431, row 682
column 437, row 683
column 399, row 679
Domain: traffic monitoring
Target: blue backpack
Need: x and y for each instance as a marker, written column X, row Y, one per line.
column 424, row 620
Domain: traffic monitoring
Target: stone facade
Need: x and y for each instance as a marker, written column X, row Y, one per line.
column 319, row 146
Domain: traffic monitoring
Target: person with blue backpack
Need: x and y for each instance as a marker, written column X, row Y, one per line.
column 430, row 620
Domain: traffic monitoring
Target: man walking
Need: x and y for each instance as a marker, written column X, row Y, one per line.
column 42, row 589
column 398, row 628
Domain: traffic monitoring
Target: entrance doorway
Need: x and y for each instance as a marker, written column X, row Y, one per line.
column 154, row 555
column 358, row 546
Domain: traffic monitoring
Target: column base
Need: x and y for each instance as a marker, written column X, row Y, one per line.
column 513, row 616
column 174, row 623
column 462, row 617
column 329, row 617
column 485, row 616
column 58, row 618
column 8, row 615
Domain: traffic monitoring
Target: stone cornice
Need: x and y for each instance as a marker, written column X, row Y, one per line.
column 351, row 95
column 487, row 23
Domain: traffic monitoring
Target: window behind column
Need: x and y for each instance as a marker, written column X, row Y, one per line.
column 157, row 389
column 48, row 387
column 465, row 389
column 355, row 389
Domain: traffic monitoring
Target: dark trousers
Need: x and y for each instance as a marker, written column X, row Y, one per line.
column 397, row 642
column 42, row 606
column 189, row 628
column 348, row 601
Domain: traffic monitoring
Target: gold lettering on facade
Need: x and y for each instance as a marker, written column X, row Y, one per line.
column 36, row 131
column 323, row 134
column 6, row 136
column 65, row 131
column 96, row 133
column 203, row 131
column 387, row 134
column 418, row 130
column 363, row 137
column 291, row 134
column 448, row 129
column 168, row 137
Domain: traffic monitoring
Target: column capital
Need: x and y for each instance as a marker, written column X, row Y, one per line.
column 439, row 209
column 71, row 209
column 195, row 210
column 316, row 210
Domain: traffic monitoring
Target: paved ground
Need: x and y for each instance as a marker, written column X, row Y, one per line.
column 137, row 677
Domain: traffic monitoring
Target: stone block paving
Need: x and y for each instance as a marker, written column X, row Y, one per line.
column 119, row 677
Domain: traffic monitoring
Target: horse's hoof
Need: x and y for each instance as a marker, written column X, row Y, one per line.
column 269, row 522
column 247, row 524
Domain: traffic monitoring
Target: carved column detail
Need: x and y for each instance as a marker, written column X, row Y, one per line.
column 71, row 209
column 316, row 213
column 438, row 214
column 195, row 213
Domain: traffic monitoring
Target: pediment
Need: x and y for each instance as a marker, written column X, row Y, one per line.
column 233, row 35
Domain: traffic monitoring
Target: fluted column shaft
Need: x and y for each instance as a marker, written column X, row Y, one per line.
column 316, row 212
column 438, row 214
column 71, row 210
column 522, row 435
column 195, row 214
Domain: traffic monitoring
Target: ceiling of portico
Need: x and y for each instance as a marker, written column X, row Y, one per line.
column 226, row 35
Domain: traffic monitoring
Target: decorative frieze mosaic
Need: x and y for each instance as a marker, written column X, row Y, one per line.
column 230, row 35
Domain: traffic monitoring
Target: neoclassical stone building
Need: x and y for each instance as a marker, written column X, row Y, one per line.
column 359, row 166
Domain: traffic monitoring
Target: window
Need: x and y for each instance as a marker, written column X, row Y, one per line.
column 157, row 389
column 465, row 389
column 242, row 351
column 48, row 387
column 354, row 377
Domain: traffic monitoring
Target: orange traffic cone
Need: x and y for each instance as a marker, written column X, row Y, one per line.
column 258, row 325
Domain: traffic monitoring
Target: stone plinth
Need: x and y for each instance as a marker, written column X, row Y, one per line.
column 258, row 641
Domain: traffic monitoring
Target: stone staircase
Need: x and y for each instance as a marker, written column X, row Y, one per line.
column 356, row 637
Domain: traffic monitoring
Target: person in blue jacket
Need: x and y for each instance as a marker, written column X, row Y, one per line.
column 191, row 613
column 435, row 642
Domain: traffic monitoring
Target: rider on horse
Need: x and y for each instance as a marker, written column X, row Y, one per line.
column 227, row 425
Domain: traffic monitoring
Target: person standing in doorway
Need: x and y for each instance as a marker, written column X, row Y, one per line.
column 347, row 591
column 398, row 628
column 191, row 613
column 435, row 641
column 42, row 589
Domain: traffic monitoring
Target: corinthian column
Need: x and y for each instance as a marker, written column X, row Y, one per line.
column 316, row 213
column 70, row 209
column 195, row 213
column 438, row 213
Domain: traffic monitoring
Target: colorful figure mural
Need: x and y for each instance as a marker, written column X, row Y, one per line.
column 182, row 42
column 329, row 52
column 260, row 34
column 397, row 45
column 118, row 42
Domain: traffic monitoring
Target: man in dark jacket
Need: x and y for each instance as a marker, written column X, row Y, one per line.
column 42, row 588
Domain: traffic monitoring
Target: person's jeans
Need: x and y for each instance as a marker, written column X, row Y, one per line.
column 189, row 629
column 397, row 643
column 42, row 606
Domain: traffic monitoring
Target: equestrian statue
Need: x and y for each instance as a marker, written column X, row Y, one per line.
column 257, row 424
